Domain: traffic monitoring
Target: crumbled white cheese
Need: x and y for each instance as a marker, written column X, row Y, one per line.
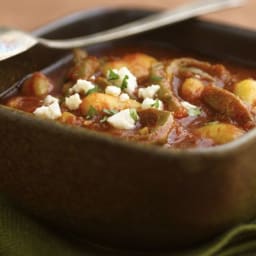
column 49, row 99
column 148, row 92
column 124, row 97
column 187, row 105
column 122, row 120
column 126, row 79
column 82, row 86
column 131, row 80
column 111, row 72
column 151, row 103
column 73, row 101
column 52, row 111
column 192, row 109
column 113, row 90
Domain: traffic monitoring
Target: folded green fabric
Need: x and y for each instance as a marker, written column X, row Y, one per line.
column 24, row 236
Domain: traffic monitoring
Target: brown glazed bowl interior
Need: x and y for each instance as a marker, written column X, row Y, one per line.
column 124, row 194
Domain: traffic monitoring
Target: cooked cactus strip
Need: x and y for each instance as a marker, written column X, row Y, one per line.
column 226, row 103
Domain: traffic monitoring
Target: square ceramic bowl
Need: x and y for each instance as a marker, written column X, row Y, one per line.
column 118, row 193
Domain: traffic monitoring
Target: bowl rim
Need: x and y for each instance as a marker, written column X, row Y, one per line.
column 231, row 147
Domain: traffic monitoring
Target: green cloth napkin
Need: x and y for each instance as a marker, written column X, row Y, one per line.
column 24, row 236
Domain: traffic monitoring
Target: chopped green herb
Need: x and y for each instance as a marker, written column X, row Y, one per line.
column 110, row 112
column 104, row 119
column 134, row 115
column 93, row 90
column 194, row 111
column 112, row 75
column 124, row 82
column 91, row 112
column 156, row 104
column 155, row 79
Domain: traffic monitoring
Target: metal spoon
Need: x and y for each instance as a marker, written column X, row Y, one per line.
column 13, row 41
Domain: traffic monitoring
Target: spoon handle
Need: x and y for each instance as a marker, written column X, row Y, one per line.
column 154, row 21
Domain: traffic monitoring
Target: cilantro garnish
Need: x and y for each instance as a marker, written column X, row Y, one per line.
column 110, row 112
column 134, row 115
column 194, row 111
column 156, row 104
column 124, row 82
column 93, row 90
column 112, row 75
column 155, row 79
column 104, row 119
column 91, row 112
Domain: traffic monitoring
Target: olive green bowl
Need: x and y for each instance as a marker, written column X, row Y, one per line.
column 117, row 193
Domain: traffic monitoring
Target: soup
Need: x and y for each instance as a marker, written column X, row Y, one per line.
column 175, row 102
